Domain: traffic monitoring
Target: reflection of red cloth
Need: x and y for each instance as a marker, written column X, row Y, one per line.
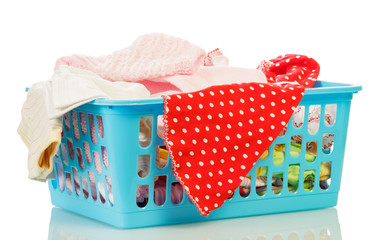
column 215, row 135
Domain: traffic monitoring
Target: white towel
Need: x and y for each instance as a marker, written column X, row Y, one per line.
column 41, row 124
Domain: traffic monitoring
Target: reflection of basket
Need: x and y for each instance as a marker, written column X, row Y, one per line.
column 96, row 167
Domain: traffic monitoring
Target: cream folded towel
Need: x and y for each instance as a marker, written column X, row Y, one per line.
column 41, row 123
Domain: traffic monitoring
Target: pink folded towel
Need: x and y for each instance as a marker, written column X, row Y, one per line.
column 151, row 56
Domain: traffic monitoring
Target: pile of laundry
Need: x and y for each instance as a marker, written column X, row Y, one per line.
column 226, row 116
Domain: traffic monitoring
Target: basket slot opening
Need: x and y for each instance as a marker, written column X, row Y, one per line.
column 176, row 193
column 100, row 127
column 66, row 119
column 145, row 131
column 161, row 156
column 64, row 153
column 245, row 187
column 68, row 182
column 143, row 166
column 104, row 155
column 330, row 114
column 76, row 180
column 83, row 122
column 279, row 154
column 87, row 152
column 314, row 119
column 309, row 235
column 160, row 190
column 277, row 183
column 60, row 176
column 100, row 186
column 295, row 147
column 298, row 117
column 92, row 182
column 92, row 128
column 327, row 143
column 160, row 126
column 311, row 152
column 325, row 175
column 70, row 145
column 96, row 158
column 75, row 124
column 293, row 177
column 85, row 187
column 79, row 154
column 261, row 181
column 109, row 189
column 309, row 180
column 142, row 195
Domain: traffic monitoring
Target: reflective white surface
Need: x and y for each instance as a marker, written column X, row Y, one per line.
column 319, row 224
column 341, row 35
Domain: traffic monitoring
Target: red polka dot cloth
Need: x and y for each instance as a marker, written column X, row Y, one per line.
column 291, row 68
column 216, row 135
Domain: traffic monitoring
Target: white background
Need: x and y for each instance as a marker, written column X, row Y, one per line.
column 341, row 35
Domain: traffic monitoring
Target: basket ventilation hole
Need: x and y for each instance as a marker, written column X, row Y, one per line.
column 104, row 155
column 66, row 119
column 143, row 165
column 279, row 154
column 293, row 177
column 70, row 148
column 309, row 180
column 284, row 131
column 160, row 126
column 96, row 158
column 327, row 143
column 92, row 182
column 68, row 182
column 176, row 193
column 325, row 234
column 309, row 235
column 100, row 127
column 160, row 190
column 75, row 124
column 85, row 187
column 245, row 187
column 277, row 237
column 311, row 153
column 79, row 155
column 161, row 156
column 64, row 154
column 277, row 183
column 293, row 236
column 261, row 238
column 330, row 114
column 92, row 128
column 145, row 127
column 87, row 152
column 60, row 176
column 83, row 122
column 76, row 180
column 100, row 186
column 298, row 117
column 314, row 119
column 295, row 148
column 142, row 195
column 325, row 175
column 109, row 189
column 265, row 154
column 261, row 181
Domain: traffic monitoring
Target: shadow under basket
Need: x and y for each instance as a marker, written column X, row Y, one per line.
column 97, row 165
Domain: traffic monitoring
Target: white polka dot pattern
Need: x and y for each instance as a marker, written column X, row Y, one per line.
column 212, row 154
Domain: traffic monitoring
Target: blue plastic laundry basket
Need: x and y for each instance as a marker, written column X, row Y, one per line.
column 96, row 166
